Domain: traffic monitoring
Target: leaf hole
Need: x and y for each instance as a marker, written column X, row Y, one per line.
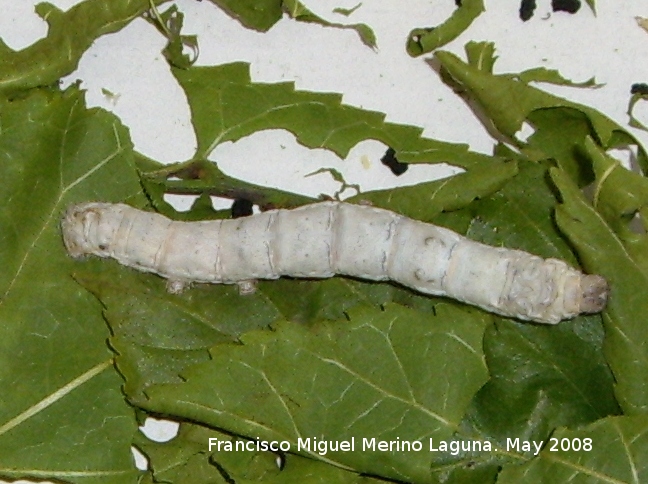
column 160, row 430
column 525, row 132
column 182, row 203
column 141, row 462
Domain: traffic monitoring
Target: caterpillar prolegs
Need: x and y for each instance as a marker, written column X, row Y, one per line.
column 328, row 238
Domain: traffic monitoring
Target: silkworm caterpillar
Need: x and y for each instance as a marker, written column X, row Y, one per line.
column 328, row 238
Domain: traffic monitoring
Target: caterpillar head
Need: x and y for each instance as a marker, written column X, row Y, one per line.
column 89, row 228
column 594, row 294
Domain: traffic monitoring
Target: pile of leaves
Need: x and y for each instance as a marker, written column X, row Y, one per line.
column 89, row 350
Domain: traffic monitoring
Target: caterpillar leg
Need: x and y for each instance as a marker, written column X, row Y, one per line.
column 247, row 288
column 177, row 286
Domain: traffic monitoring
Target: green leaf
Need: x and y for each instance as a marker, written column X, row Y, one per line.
column 264, row 14
column 634, row 99
column 187, row 458
column 602, row 252
column 592, row 5
column 202, row 177
column 62, row 416
column 338, row 177
column 621, row 197
column 618, row 449
column 227, row 106
column 159, row 335
column 182, row 459
column 642, row 22
column 481, row 55
column 560, row 135
column 347, row 11
column 541, row 377
column 427, row 200
column 296, row 10
column 551, row 76
column 423, row 40
column 259, row 15
column 169, row 23
column 382, row 374
column 165, row 333
column 506, row 103
column 58, row 54
column 238, row 110
column 520, row 215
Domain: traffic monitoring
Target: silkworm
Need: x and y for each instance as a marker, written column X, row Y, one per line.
column 329, row 238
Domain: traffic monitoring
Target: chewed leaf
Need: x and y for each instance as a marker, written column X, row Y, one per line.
column 338, row 177
column 560, row 135
column 602, row 251
column 639, row 93
column 382, row 375
column 642, row 22
column 202, row 177
column 609, row 450
column 58, row 54
column 255, row 14
column 551, row 76
column 481, row 55
column 592, row 5
column 298, row 11
column 227, row 106
column 424, row 40
column 507, row 103
column 169, row 23
column 63, row 396
column 495, row 92
column 347, row 11
column 264, row 14
column 447, row 194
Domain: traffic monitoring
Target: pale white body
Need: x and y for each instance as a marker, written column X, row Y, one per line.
column 328, row 238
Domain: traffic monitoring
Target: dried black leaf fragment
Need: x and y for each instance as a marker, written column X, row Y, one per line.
column 241, row 208
column 527, row 7
column 391, row 162
column 571, row 6
column 639, row 88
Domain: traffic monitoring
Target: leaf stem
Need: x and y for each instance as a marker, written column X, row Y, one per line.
column 158, row 17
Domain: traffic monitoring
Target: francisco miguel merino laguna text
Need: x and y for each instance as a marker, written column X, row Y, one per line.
column 322, row 447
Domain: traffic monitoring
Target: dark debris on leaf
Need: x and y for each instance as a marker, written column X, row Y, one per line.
column 391, row 162
column 639, row 88
column 241, row 208
column 527, row 7
column 571, row 6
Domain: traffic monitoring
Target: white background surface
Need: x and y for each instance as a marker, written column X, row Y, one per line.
column 129, row 64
